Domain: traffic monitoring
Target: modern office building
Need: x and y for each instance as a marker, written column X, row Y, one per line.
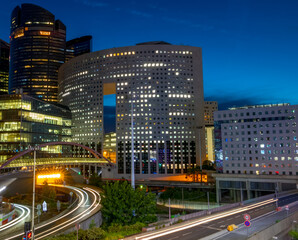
column 162, row 83
column 78, row 46
column 4, row 67
column 209, row 108
column 37, row 51
column 25, row 121
column 109, row 146
column 258, row 139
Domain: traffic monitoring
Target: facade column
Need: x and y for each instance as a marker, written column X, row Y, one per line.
column 174, row 157
column 96, row 171
column 149, row 163
column 218, row 192
column 124, row 158
column 84, row 170
column 248, row 190
column 181, row 158
column 165, row 158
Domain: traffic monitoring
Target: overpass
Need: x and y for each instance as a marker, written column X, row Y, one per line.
column 17, row 161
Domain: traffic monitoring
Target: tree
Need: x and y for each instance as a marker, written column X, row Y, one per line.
column 123, row 205
column 48, row 192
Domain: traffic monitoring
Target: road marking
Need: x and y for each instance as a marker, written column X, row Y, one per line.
column 229, row 219
column 237, row 216
column 173, row 238
column 186, row 233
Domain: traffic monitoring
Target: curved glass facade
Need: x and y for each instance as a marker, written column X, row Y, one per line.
column 37, row 51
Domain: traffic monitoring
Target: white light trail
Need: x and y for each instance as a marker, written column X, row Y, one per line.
column 81, row 204
column 25, row 213
column 204, row 220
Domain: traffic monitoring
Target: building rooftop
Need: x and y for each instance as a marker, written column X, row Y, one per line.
column 261, row 106
column 154, row 43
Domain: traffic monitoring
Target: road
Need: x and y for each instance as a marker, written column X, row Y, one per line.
column 203, row 227
column 88, row 204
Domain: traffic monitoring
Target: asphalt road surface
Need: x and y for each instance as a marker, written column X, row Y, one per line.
column 200, row 228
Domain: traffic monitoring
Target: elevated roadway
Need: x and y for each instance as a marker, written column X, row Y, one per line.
column 206, row 226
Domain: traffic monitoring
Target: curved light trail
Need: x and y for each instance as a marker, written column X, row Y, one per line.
column 72, row 221
column 24, row 214
column 83, row 200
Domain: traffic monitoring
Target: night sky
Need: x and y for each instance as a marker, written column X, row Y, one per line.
column 250, row 47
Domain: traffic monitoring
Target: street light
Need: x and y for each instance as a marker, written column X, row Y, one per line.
column 132, row 150
column 33, row 197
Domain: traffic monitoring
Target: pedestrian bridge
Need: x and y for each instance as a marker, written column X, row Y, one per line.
column 18, row 160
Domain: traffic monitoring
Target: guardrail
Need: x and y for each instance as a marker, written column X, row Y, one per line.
column 213, row 210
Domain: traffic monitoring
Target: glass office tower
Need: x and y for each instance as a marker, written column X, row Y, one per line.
column 78, row 46
column 25, row 121
column 37, row 51
column 4, row 67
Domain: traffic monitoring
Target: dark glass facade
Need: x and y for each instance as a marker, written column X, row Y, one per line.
column 78, row 46
column 4, row 67
column 37, row 51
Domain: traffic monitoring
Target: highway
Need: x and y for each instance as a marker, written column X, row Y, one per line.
column 205, row 226
column 88, row 204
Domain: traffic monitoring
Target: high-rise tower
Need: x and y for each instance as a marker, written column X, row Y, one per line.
column 37, row 51
column 4, row 67
column 163, row 82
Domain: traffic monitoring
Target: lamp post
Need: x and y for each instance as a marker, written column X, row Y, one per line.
column 132, row 150
column 33, row 195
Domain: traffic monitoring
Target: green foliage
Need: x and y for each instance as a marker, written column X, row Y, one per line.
column 294, row 234
column 189, row 195
column 124, row 206
column 96, row 181
column 92, row 224
column 48, row 192
column 113, row 232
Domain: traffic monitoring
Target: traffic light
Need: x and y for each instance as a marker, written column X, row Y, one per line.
column 27, row 230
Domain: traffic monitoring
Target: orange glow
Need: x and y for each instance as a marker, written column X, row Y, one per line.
column 49, row 178
column 44, row 33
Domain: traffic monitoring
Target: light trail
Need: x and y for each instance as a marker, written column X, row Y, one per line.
column 81, row 203
column 25, row 213
column 73, row 220
column 204, row 220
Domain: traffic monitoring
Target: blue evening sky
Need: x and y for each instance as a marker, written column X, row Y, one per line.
column 250, row 47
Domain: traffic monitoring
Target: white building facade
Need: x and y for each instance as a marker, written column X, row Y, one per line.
column 258, row 139
column 164, row 83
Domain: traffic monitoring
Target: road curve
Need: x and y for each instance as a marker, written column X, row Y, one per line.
column 88, row 204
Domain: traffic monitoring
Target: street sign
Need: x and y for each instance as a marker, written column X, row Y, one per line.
column 246, row 217
column 44, row 206
column 38, row 207
column 58, row 205
column 287, row 208
column 247, row 223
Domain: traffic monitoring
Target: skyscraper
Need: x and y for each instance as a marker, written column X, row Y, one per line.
column 78, row 46
column 37, row 51
column 163, row 82
column 4, row 67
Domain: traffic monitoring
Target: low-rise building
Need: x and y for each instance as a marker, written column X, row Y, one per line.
column 258, row 139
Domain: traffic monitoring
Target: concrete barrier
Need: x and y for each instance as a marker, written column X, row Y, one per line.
column 275, row 229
